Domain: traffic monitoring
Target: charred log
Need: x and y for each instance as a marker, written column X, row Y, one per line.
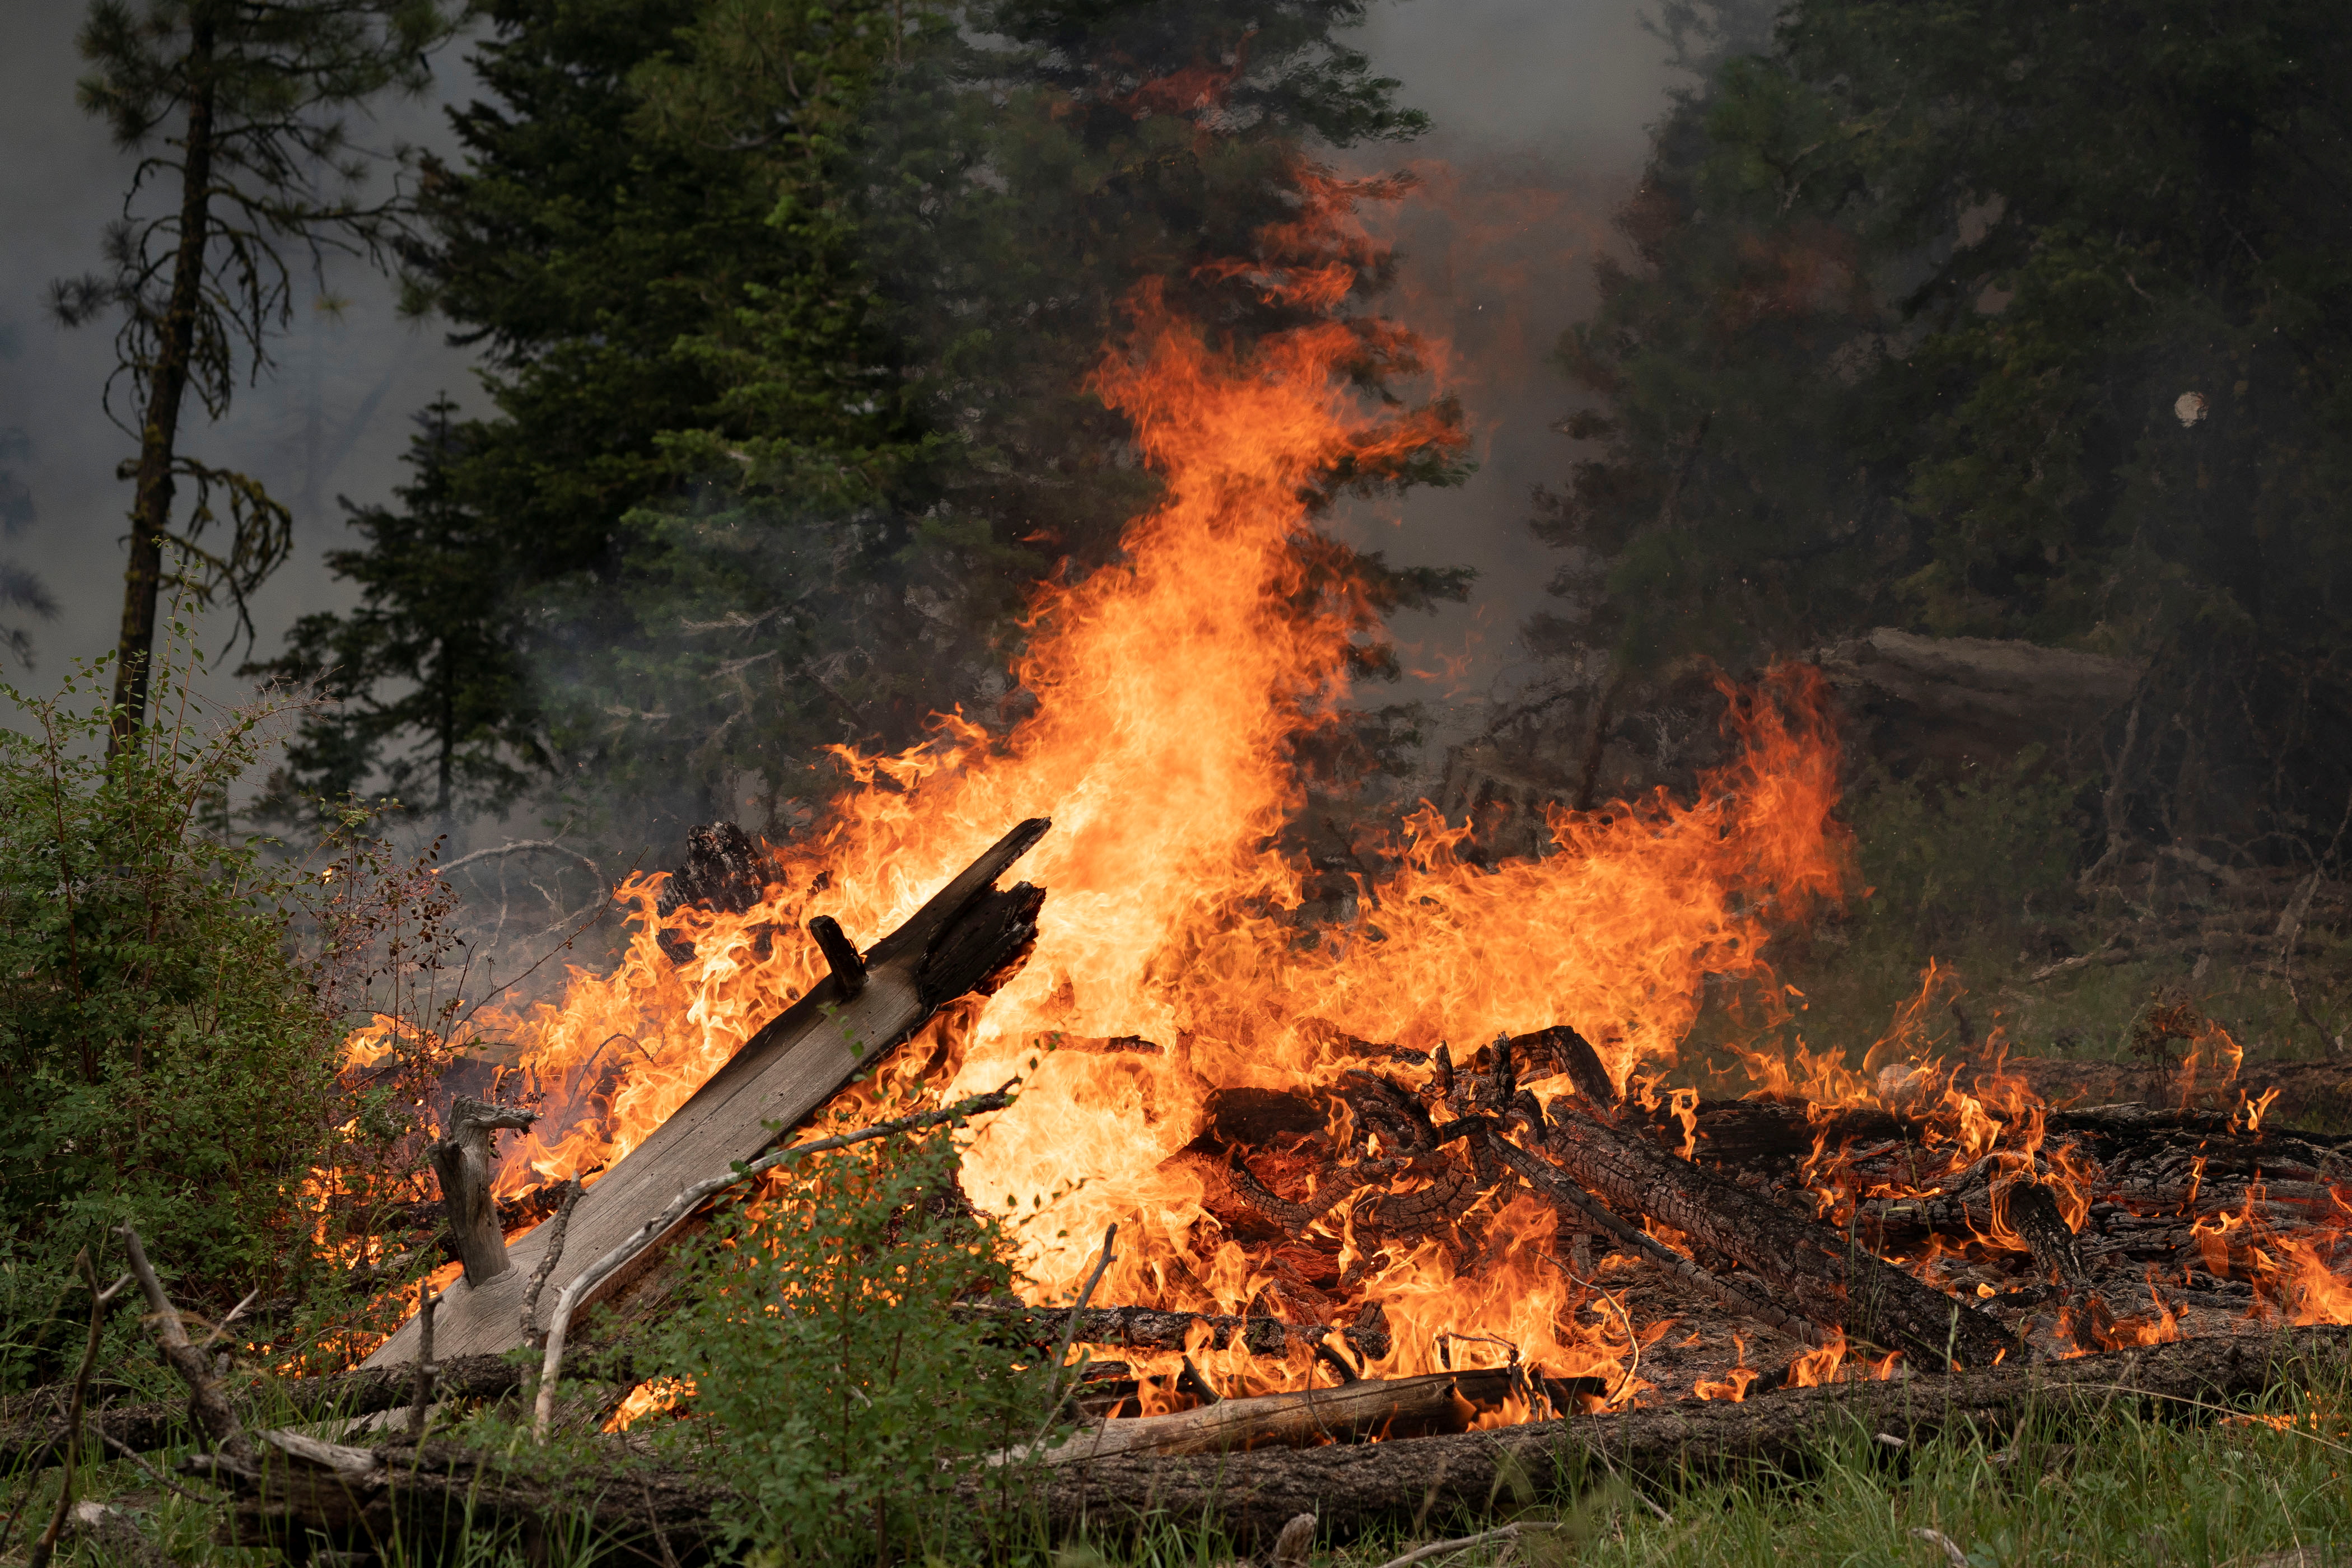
column 1149, row 1328
column 1354, row 1489
column 1823, row 1277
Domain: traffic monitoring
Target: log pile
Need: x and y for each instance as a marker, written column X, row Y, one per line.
column 1820, row 1264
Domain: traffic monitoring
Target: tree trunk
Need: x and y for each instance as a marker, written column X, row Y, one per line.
column 167, row 385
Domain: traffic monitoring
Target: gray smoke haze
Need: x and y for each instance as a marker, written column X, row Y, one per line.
column 1541, row 112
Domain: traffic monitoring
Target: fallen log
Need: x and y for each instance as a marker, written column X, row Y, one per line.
column 38, row 1442
column 1834, row 1282
column 1352, row 1488
column 1391, row 1408
column 969, row 932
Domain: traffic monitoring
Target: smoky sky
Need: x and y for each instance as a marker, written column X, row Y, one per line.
column 1540, row 109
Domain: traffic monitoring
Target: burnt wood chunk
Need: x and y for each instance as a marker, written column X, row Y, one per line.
column 1817, row 1271
column 726, row 872
column 840, row 954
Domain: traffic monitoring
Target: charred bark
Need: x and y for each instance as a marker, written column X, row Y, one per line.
column 1823, row 1276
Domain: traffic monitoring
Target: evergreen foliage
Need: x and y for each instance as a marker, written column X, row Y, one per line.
column 790, row 313
column 1986, row 318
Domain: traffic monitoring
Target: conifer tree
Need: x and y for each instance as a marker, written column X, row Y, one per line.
column 239, row 113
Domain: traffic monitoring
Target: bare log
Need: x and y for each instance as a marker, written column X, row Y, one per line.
column 1439, row 1478
column 1392, row 1407
column 674, row 1216
column 1829, row 1280
column 462, row 1158
column 964, row 939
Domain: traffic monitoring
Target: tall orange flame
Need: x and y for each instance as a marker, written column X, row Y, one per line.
column 1170, row 688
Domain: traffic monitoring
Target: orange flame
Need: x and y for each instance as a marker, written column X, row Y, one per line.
column 1170, row 689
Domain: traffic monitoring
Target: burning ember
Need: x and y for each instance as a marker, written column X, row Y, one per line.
column 1272, row 1111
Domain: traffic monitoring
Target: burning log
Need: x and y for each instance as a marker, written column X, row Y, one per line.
column 1357, row 1488
column 1393, row 1408
column 1149, row 1328
column 1828, row 1281
column 965, row 938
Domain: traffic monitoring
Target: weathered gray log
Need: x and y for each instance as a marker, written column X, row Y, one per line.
column 1823, row 1276
column 1352, row 1488
column 1390, row 1407
column 463, row 1158
column 961, row 940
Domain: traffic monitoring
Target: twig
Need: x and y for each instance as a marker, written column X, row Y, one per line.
column 1951, row 1549
column 421, row 1399
column 47, row 1545
column 555, row 1229
column 1440, row 1548
column 1070, row 1333
column 234, row 1314
column 522, row 846
column 150, row 1472
column 655, row 1230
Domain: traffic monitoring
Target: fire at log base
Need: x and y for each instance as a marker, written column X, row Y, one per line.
column 969, row 937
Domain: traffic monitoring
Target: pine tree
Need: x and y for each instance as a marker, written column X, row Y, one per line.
column 239, row 107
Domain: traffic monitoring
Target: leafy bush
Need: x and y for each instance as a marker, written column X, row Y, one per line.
column 165, row 1057
column 831, row 1378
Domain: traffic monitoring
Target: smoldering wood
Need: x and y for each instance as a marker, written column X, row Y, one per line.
column 967, row 937
column 1822, row 1277
column 841, row 955
column 464, row 1159
column 1354, row 1489
column 1394, row 1408
column 1150, row 1327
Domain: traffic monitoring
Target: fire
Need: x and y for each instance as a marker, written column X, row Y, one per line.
column 1170, row 690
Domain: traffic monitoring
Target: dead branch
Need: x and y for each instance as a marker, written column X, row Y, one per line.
column 98, row 1299
column 1392, row 1407
column 146, row 1428
column 554, row 1255
column 967, row 938
column 463, row 1159
column 212, row 1413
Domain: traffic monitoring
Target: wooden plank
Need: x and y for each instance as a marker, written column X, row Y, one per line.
column 782, row 1073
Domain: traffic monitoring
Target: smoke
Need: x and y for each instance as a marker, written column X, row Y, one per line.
column 1541, row 117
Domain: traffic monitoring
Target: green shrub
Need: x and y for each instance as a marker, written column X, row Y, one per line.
column 165, row 1058
column 830, row 1380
